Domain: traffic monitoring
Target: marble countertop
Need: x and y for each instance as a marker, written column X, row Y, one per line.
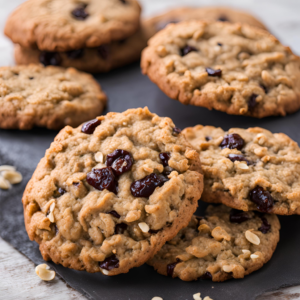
column 17, row 275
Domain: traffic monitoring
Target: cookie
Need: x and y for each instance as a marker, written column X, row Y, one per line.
column 249, row 169
column 109, row 194
column 233, row 68
column 56, row 26
column 223, row 14
column 222, row 245
column 94, row 60
column 49, row 97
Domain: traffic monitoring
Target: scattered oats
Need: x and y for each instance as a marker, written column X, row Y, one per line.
column 254, row 256
column 104, row 272
column 157, row 298
column 252, row 238
column 207, row 298
column 242, row 166
column 44, row 273
column 7, row 168
column 197, row 296
column 4, row 184
column 8, row 176
column 99, row 157
column 144, row 227
column 13, row 177
column 227, row 268
column 248, row 252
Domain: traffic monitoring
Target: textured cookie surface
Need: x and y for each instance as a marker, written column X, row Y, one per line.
column 249, row 169
column 93, row 60
column 109, row 194
column 233, row 68
column 49, row 97
column 222, row 14
column 56, row 25
column 222, row 245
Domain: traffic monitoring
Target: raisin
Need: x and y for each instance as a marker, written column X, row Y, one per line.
column 164, row 157
column 239, row 157
column 114, row 213
column 120, row 160
column 206, row 276
column 80, row 13
column 213, row 72
column 50, row 58
column 264, row 88
column 62, row 191
column 252, row 102
column 146, row 186
column 262, row 199
column 176, row 130
column 223, row 18
column 120, row 228
column 265, row 226
column 237, row 216
column 109, row 263
column 89, row 127
column 232, row 141
column 103, row 51
column 75, row 54
column 102, row 179
column 171, row 267
column 187, row 49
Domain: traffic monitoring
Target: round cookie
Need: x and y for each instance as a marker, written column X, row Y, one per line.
column 233, row 68
column 49, row 97
column 93, row 60
column 249, row 169
column 223, row 14
column 109, row 194
column 57, row 25
column 222, row 245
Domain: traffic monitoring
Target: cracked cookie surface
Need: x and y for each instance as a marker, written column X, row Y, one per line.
column 49, row 97
column 223, row 14
column 248, row 169
column 221, row 245
column 109, row 194
column 55, row 26
column 101, row 59
column 233, row 68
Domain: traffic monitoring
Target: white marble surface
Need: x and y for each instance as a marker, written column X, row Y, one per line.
column 17, row 276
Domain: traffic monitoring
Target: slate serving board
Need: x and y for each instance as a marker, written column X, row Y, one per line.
column 128, row 88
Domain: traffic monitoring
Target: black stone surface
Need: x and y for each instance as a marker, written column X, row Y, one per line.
column 127, row 88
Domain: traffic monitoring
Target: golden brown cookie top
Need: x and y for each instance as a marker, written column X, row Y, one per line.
column 223, row 244
column 108, row 194
column 56, row 25
column 211, row 13
column 49, row 97
column 233, row 68
column 249, row 169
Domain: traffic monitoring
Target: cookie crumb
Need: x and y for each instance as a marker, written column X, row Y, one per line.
column 207, row 298
column 157, row 298
column 44, row 272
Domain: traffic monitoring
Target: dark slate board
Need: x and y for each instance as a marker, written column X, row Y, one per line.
column 127, row 88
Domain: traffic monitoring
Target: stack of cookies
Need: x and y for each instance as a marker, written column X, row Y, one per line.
column 121, row 190
column 92, row 36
